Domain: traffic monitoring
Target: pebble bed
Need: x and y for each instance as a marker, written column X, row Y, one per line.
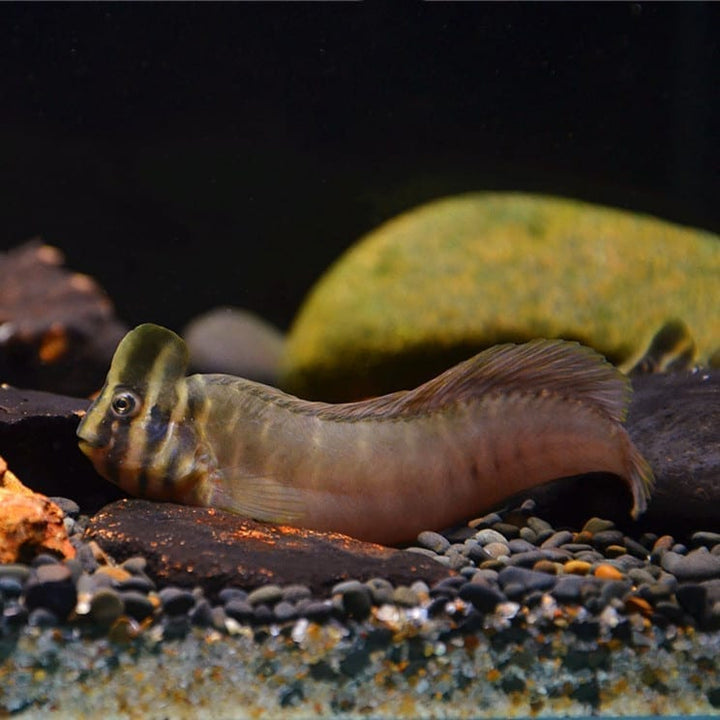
column 538, row 621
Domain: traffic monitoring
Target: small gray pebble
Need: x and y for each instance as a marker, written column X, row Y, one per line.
column 527, row 559
column 295, row 593
column 528, row 534
column 696, row 565
column 706, row 538
column 507, row 530
column 433, row 541
column 538, row 525
column 69, row 507
column 269, row 594
column 561, row 537
column 519, row 545
column 135, row 565
column 346, row 585
column 285, row 611
column 596, row 525
column 238, row 609
column 423, row 551
column 231, row 593
column 529, row 579
column 405, row 596
column 381, row 590
column 528, row 506
column 487, row 535
column 486, row 520
column 496, row 549
column 15, row 570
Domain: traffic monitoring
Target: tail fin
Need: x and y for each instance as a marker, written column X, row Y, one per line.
column 639, row 476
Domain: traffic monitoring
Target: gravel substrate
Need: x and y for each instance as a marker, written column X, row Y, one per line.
column 538, row 622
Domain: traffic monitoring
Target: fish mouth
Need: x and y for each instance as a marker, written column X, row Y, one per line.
column 86, row 447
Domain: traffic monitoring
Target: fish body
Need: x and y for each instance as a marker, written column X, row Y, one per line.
column 508, row 419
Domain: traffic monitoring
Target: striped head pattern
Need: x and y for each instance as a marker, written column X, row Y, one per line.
column 139, row 432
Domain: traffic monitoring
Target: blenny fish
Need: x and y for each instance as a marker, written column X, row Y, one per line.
column 510, row 418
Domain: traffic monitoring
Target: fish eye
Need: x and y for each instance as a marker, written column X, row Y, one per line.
column 125, row 404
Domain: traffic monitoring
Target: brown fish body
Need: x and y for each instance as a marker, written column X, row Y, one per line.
column 387, row 479
column 384, row 469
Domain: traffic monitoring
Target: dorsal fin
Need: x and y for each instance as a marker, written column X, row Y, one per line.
column 556, row 367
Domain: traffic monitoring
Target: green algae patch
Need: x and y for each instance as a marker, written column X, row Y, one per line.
column 447, row 279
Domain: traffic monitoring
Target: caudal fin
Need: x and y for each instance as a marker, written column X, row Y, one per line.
column 639, row 476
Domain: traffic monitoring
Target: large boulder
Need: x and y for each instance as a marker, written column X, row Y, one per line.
column 445, row 280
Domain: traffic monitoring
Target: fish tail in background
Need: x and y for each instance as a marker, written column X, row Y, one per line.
column 639, row 474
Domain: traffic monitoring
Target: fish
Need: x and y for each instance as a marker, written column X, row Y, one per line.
column 382, row 469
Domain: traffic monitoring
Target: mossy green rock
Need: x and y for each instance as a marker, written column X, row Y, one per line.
column 447, row 279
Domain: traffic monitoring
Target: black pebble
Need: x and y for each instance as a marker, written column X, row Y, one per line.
column 40, row 617
column 693, row 599
column 529, row 579
column 137, row 605
column 139, row 583
column 201, row 614
column 239, row 609
column 262, row 614
column 317, row 610
column 483, row 597
column 52, row 588
column 176, row 601
column 357, row 602
column 10, row 587
column 176, row 627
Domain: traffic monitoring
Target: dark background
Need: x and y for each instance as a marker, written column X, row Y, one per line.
column 189, row 155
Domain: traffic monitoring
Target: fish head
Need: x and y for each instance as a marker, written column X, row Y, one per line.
column 139, row 432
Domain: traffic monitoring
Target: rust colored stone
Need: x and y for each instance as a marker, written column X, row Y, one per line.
column 608, row 572
column 31, row 524
column 9, row 482
column 191, row 546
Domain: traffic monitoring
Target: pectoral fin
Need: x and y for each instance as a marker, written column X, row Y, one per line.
column 260, row 498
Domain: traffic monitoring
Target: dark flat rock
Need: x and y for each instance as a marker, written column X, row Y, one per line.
column 37, row 439
column 188, row 546
column 58, row 329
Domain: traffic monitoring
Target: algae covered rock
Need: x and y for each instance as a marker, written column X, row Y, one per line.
column 445, row 280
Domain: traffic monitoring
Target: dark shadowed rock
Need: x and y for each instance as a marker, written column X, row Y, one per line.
column 37, row 439
column 57, row 328
column 674, row 420
column 188, row 546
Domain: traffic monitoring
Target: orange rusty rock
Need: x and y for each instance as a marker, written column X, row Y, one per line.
column 635, row 604
column 53, row 344
column 29, row 525
column 608, row 572
column 9, row 481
